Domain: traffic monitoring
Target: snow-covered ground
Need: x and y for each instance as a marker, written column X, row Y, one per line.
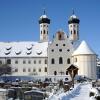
column 80, row 92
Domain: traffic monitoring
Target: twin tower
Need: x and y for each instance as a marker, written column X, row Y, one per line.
column 73, row 24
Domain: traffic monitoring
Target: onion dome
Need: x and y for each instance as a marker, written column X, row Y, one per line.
column 73, row 19
column 44, row 19
column 83, row 49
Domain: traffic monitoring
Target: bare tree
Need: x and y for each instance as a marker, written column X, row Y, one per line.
column 5, row 69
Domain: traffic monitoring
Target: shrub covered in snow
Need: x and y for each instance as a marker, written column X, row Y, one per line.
column 97, row 97
column 91, row 94
column 95, row 93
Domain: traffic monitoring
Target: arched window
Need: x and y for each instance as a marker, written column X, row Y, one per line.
column 47, row 32
column 55, row 72
column 60, row 60
column 68, row 61
column 74, row 31
column 41, row 32
column 52, row 61
column 77, row 32
column 44, row 31
column 71, row 32
column 66, row 72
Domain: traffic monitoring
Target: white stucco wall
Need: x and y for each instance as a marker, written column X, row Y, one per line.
column 20, row 66
column 65, row 54
column 73, row 27
column 86, row 65
column 44, row 36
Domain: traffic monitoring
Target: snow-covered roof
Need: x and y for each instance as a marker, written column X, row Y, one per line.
column 83, row 49
column 23, row 49
column 73, row 16
column 43, row 16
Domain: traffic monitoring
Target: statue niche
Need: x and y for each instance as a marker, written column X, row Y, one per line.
column 60, row 35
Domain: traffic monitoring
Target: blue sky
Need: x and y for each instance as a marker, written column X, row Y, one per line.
column 19, row 19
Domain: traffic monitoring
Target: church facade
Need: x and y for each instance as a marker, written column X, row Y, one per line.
column 50, row 57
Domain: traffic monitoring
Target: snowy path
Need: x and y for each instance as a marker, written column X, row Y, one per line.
column 82, row 93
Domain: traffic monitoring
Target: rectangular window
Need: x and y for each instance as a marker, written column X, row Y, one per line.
column 16, row 62
column 16, row 70
column 0, row 62
column 39, row 69
column 24, row 62
column 8, row 61
column 29, row 62
column 29, row 70
column 34, row 61
column 45, row 69
column 39, row 61
column 34, row 70
column 24, row 70
column 45, row 61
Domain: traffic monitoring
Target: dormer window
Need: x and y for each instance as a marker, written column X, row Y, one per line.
column 29, row 48
column 8, row 48
column 17, row 53
column 28, row 53
column 7, row 53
